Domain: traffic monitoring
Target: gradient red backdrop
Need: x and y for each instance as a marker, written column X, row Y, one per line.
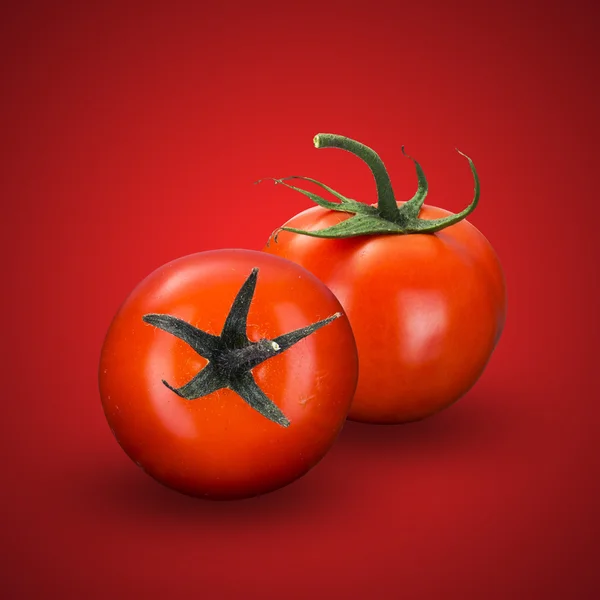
column 132, row 134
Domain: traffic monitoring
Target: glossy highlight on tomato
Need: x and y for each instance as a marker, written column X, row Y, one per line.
column 267, row 403
column 423, row 289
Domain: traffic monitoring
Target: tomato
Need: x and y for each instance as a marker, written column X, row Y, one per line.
column 423, row 289
column 229, row 373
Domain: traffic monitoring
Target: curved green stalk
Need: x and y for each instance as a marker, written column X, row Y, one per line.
column 385, row 218
column 386, row 202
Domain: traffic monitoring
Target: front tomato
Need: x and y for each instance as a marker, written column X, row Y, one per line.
column 228, row 374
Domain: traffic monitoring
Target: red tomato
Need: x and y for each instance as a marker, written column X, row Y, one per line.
column 227, row 374
column 427, row 309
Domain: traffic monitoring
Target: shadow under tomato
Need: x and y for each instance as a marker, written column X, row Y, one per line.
column 477, row 421
column 121, row 488
column 481, row 417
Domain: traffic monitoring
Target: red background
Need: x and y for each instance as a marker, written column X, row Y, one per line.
column 132, row 134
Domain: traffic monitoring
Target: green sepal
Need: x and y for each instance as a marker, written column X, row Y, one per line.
column 410, row 210
column 354, row 226
column 344, row 204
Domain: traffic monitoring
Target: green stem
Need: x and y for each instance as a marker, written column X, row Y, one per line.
column 385, row 219
column 386, row 201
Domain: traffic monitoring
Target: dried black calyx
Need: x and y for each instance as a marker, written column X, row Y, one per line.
column 232, row 356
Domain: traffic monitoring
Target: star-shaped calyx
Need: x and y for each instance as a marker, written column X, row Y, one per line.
column 232, row 356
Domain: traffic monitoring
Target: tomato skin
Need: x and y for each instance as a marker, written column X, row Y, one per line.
column 217, row 446
column 427, row 310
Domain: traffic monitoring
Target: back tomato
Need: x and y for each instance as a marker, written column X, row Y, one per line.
column 199, row 328
column 426, row 310
column 423, row 289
